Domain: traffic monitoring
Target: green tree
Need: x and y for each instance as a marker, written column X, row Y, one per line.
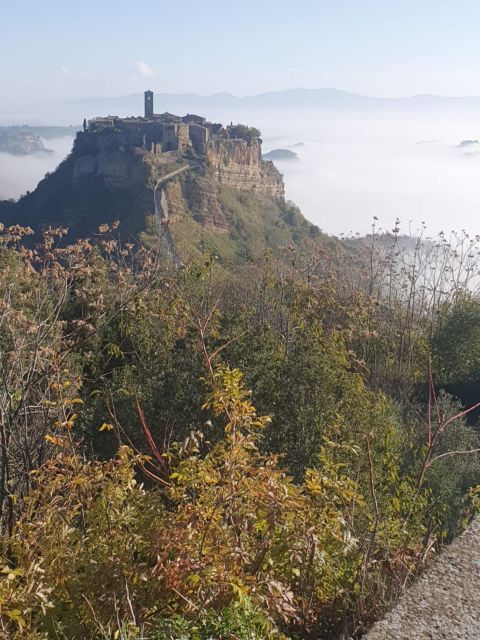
column 457, row 345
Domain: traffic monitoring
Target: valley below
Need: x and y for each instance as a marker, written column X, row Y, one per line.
column 156, row 280
column 351, row 167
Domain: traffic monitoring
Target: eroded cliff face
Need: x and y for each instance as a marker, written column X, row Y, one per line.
column 235, row 163
column 197, row 197
column 239, row 164
column 116, row 164
column 137, row 171
column 106, row 179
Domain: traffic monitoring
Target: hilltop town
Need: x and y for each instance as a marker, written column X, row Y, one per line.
column 234, row 153
column 169, row 133
column 208, row 180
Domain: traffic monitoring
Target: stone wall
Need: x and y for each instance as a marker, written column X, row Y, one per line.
column 118, row 167
column 443, row 604
column 199, row 136
column 183, row 134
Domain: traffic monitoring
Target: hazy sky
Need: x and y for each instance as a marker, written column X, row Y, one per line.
column 59, row 49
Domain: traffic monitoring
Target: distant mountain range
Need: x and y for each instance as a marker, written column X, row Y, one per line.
column 318, row 99
column 224, row 107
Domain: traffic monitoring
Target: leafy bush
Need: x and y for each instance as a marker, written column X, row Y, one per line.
column 243, row 132
column 132, row 506
column 457, row 344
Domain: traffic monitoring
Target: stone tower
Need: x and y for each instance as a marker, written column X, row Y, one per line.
column 148, row 104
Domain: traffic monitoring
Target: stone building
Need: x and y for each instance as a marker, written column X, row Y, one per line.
column 160, row 133
column 148, row 104
column 126, row 154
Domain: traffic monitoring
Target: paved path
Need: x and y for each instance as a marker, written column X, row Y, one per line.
column 161, row 212
column 444, row 603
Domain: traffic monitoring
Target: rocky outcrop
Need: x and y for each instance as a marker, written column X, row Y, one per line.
column 119, row 167
column 118, row 170
column 202, row 200
column 235, row 163
column 20, row 143
column 280, row 154
column 239, row 164
column 214, row 194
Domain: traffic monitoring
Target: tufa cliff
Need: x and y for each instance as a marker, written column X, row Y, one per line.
column 240, row 165
column 210, row 182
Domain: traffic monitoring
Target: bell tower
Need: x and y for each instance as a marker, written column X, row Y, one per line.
column 148, row 104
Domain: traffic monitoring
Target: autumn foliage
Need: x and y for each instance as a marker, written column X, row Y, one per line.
column 204, row 454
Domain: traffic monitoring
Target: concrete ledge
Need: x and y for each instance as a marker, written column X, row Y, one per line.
column 444, row 603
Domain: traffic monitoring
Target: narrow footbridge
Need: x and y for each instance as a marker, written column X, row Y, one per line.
column 161, row 211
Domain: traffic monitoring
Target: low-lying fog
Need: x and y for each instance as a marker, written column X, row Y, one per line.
column 21, row 173
column 353, row 168
column 350, row 168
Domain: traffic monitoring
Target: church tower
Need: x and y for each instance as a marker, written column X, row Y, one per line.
column 148, row 104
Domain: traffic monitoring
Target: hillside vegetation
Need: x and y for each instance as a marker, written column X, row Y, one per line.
column 257, row 452
column 205, row 213
column 252, row 226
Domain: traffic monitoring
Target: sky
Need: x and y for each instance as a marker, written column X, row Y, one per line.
column 350, row 169
column 55, row 50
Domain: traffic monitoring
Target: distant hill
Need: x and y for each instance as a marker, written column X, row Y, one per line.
column 220, row 104
column 318, row 99
column 19, row 142
column 468, row 143
column 280, row 154
column 49, row 132
column 226, row 201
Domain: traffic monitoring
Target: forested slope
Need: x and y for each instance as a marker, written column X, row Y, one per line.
column 235, row 453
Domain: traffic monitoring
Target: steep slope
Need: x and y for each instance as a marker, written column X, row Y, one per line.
column 228, row 200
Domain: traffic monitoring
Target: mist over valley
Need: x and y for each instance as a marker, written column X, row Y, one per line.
column 240, row 320
column 19, row 174
column 352, row 165
column 357, row 166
